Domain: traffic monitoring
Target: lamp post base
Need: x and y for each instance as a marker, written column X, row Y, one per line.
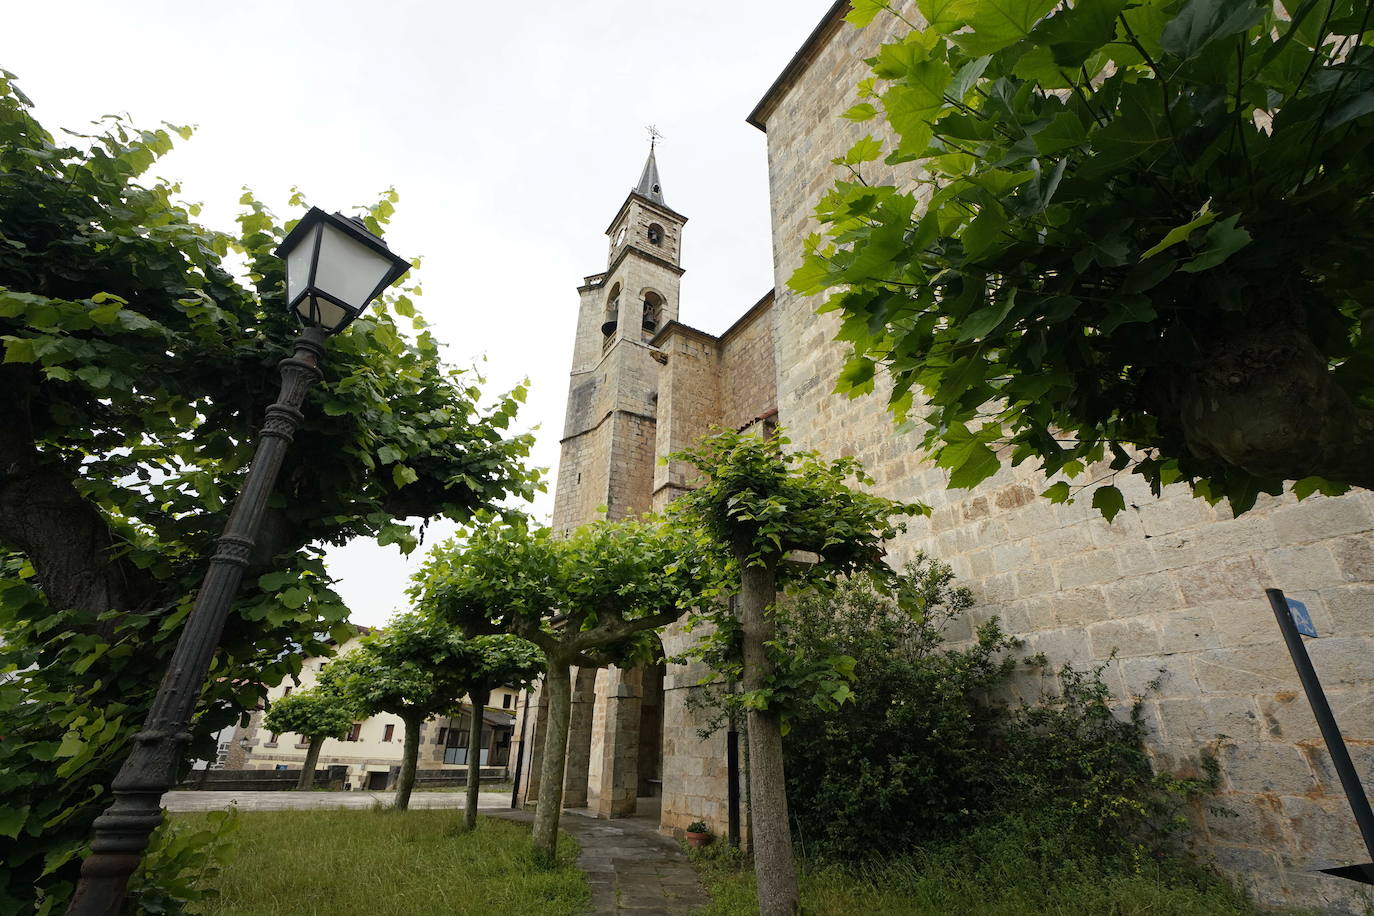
column 121, row 834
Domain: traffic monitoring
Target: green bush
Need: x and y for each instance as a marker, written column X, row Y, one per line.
column 926, row 749
column 182, row 863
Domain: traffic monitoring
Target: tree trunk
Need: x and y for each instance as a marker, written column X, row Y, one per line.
column 479, row 704
column 771, row 840
column 1261, row 397
column 550, row 804
column 312, row 757
column 405, row 783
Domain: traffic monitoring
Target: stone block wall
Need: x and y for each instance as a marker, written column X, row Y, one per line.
column 694, row 769
column 688, row 403
column 748, row 387
column 1170, row 596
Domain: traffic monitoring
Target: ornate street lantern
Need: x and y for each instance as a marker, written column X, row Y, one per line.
column 335, row 268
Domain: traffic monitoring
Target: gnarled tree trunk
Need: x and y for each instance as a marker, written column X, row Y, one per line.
column 479, row 704
column 405, row 782
column 550, row 805
column 771, row 840
column 1261, row 396
column 312, row 757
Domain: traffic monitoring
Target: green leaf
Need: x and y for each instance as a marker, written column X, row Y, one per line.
column 1057, row 492
column 861, row 12
column 1178, row 234
column 1223, row 239
column 980, row 463
column 864, row 111
column 294, row 597
column 986, row 320
column 105, row 314
column 270, row 582
column 1202, row 22
column 866, row 150
column 998, row 23
column 1128, row 309
column 944, row 16
column 19, row 350
column 12, row 818
column 402, row 475
column 1109, row 501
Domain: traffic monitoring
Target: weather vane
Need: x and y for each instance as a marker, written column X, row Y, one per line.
column 654, row 136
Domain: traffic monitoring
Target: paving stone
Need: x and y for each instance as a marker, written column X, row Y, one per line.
column 630, row 867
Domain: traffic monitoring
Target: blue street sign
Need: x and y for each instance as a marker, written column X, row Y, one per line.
column 1301, row 618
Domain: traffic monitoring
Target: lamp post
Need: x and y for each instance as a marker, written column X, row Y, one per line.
column 334, row 269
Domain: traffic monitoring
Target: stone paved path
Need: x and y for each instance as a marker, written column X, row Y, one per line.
column 631, row 867
column 299, row 801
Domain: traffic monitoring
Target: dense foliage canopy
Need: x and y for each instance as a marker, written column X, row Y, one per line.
column 311, row 714
column 592, row 598
column 136, row 371
column 1134, row 230
column 756, row 503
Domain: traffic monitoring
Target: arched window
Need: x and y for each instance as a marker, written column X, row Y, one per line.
column 612, row 314
column 653, row 312
column 656, row 233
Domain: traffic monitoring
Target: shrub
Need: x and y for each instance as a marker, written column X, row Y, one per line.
column 927, row 750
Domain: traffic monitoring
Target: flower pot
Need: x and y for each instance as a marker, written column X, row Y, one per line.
column 698, row 840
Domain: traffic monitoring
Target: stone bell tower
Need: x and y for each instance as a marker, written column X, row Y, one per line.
column 607, row 466
column 607, row 456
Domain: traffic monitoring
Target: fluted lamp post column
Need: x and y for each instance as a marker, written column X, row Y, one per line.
column 334, row 268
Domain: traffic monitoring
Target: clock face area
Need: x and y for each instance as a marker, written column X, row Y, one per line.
column 619, row 237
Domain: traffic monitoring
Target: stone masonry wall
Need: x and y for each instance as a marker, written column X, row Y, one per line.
column 688, row 404
column 749, row 384
column 694, row 769
column 1173, row 588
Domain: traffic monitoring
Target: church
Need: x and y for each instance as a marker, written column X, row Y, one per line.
column 1169, row 596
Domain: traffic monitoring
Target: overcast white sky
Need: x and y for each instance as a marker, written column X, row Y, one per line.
column 511, row 132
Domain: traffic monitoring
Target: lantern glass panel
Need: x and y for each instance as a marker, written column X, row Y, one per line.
column 326, row 314
column 298, row 266
column 348, row 270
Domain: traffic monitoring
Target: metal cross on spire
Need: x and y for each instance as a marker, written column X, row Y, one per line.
column 654, row 136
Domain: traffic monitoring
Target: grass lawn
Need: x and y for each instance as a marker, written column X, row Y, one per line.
column 980, row 880
column 375, row 863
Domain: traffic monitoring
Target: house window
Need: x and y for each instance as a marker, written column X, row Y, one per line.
column 443, row 733
column 286, row 692
column 457, row 749
column 388, row 732
column 355, row 731
column 505, row 702
column 656, row 233
column 272, row 740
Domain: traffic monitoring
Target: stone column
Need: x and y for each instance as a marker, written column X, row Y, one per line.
column 580, row 739
column 620, row 763
column 538, row 711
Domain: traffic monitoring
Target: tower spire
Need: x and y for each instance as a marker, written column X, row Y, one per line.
column 649, row 185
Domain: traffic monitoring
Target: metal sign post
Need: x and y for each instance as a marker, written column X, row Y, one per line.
column 1293, row 623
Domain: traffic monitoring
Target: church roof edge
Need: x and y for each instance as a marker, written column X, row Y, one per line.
column 798, row 63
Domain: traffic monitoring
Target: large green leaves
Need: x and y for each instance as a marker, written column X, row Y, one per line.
column 1093, row 201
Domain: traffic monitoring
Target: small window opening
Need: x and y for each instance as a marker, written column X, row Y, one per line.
column 653, row 312
column 611, row 317
column 656, row 233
